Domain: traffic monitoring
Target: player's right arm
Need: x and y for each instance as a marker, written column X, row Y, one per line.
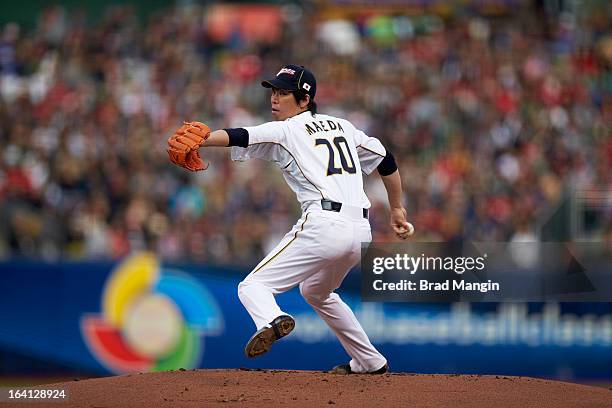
column 393, row 184
column 372, row 155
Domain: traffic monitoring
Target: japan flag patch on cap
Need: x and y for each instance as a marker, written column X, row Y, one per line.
column 306, row 87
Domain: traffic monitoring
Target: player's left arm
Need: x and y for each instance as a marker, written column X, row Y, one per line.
column 186, row 141
column 222, row 138
column 218, row 138
column 270, row 132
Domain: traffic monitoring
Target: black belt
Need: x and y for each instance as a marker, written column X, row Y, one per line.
column 329, row 205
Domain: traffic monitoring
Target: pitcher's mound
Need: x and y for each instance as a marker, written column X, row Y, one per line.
column 265, row 388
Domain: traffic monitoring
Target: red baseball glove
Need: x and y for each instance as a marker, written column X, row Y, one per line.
column 184, row 143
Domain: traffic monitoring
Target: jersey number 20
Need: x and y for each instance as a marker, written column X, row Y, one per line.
column 331, row 167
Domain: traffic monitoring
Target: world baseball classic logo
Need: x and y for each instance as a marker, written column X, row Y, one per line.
column 152, row 319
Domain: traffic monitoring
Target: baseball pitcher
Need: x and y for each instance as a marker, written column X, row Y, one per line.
column 322, row 158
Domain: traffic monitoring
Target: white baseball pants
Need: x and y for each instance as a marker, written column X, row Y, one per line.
column 316, row 254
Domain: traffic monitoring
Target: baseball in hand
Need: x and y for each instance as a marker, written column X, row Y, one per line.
column 410, row 229
column 406, row 230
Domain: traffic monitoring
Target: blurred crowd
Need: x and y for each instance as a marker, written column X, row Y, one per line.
column 491, row 120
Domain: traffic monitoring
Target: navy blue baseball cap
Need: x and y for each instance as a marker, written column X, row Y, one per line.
column 293, row 78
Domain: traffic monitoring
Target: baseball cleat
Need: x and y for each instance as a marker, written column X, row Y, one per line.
column 345, row 369
column 261, row 342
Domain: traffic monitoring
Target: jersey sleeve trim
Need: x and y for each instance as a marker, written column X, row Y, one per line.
column 372, row 151
column 296, row 162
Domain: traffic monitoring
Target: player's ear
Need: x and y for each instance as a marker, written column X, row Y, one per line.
column 304, row 102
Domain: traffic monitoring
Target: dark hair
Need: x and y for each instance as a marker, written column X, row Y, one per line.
column 300, row 96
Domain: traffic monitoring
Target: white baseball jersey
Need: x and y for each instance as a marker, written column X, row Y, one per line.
column 321, row 156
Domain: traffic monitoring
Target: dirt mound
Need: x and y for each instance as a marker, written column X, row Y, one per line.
column 266, row 388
